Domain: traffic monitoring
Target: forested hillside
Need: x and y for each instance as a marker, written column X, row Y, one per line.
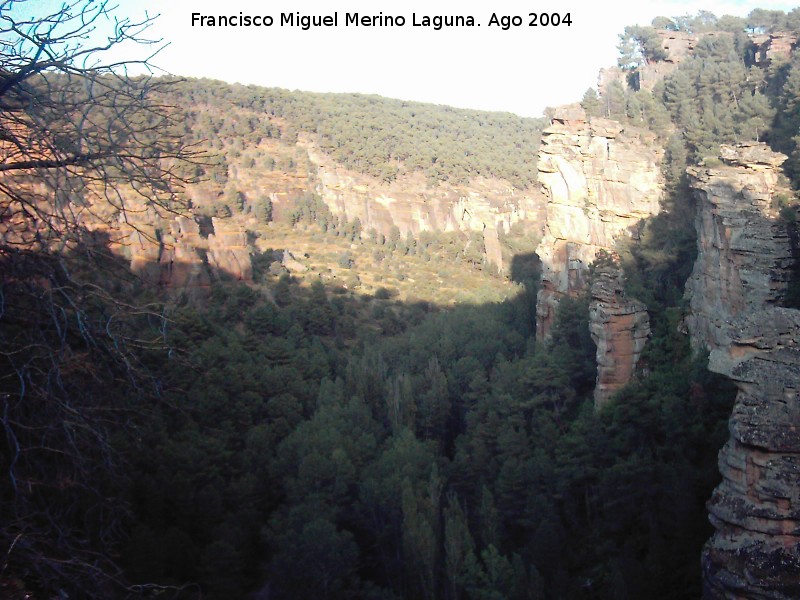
column 313, row 432
column 370, row 134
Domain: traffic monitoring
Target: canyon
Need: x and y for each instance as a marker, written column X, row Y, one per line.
column 599, row 183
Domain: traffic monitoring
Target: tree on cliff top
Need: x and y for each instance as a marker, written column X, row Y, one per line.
column 639, row 46
column 79, row 142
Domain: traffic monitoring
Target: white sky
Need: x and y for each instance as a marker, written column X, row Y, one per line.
column 521, row 70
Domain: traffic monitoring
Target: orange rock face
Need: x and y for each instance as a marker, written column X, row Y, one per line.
column 620, row 328
column 600, row 182
column 181, row 257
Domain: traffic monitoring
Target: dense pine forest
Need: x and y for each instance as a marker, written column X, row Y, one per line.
column 370, row 134
column 299, row 438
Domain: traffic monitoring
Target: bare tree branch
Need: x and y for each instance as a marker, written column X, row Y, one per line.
column 82, row 146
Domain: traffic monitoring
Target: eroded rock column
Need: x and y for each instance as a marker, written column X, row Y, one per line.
column 755, row 550
column 620, row 328
column 740, row 276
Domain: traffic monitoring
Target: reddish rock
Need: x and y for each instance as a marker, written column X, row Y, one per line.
column 620, row 328
column 600, row 181
column 228, row 251
column 755, row 549
column 769, row 47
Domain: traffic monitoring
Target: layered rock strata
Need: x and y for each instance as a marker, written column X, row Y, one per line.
column 601, row 182
column 228, row 251
column 744, row 252
column 755, row 550
column 620, row 328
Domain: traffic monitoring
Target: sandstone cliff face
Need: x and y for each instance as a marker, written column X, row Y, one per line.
column 755, row 550
column 740, row 274
column 620, row 328
column 228, row 251
column 678, row 46
column 744, row 253
column 600, row 182
column 410, row 204
column 176, row 255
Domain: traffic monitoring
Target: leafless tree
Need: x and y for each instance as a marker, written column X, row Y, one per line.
column 83, row 143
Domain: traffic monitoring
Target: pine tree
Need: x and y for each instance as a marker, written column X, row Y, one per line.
column 591, row 103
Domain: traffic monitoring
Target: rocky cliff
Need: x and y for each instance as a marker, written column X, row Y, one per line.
column 744, row 252
column 755, row 550
column 174, row 254
column 489, row 206
column 620, row 327
column 678, row 46
column 739, row 278
column 601, row 181
column 769, row 47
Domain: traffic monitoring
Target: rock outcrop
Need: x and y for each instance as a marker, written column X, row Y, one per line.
column 744, row 253
column 180, row 263
column 174, row 254
column 620, row 328
column 755, row 550
column 769, row 47
column 228, row 252
column 601, row 182
column 678, row 46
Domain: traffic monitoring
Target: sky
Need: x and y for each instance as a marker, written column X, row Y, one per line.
column 520, row 70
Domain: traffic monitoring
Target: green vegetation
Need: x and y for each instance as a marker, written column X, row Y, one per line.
column 449, row 456
column 717, row 95
column 369, row 134
column 640, row 45
column 442, row 268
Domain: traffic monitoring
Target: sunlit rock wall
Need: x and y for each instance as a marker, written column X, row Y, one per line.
column 601, row 181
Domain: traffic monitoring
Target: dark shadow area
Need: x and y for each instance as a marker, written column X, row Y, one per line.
column 793, row 230
column 276, row 440
column 206, row 225
column 525, row 269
